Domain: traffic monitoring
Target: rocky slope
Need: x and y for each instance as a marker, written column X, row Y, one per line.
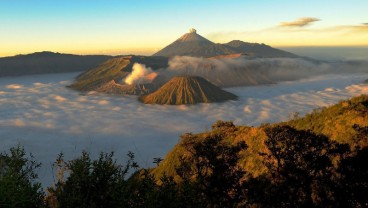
column 193, row 44
column 108, row 76
column 187, row 90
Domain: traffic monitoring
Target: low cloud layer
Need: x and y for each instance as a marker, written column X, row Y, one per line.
column 243, row 71
column 301, row 22
column 47, row 118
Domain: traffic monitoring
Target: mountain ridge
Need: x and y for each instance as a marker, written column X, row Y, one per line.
column 48, row 62
column 193, row 44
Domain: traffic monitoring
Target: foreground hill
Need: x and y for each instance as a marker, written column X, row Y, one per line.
column 344, row 123
column 339, row 122
column 230, row 166
column 187, row 90
column 48, row 62
column 193, row 44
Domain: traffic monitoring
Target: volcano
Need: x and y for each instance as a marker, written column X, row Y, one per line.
column 193, row 44
column 187, row 90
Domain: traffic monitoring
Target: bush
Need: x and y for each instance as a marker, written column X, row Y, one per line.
column 18, row 185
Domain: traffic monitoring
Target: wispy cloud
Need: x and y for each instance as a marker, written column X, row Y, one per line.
column 301, row 22
column 297, row 34
column 356, row 28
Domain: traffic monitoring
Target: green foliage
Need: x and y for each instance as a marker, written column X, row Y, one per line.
column 353, row 185
column 18, row 186
column 223, row 125
column 300, row 166
column 212, row 167
column 295, row 166
column 91, row 183
column 337, row 121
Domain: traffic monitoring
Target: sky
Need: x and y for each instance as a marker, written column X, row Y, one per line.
column 145, row 26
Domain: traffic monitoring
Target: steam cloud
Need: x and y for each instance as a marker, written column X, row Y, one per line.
column 140, row 75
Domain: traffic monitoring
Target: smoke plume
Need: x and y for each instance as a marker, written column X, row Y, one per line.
column 140, row 75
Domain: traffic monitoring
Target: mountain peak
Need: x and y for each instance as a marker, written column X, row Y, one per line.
column 187, row 90
column 189, row 44
column 193, row 36
column 193, row 44
column 192, row 30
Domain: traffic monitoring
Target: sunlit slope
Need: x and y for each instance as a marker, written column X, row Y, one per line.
column 187, row 90
column 193, row 44
column 336, row 121
column 112, row 72
column 340, row 122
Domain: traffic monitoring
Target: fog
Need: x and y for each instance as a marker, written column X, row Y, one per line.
column 40, row 113
column 243, row 71
column 331, row 52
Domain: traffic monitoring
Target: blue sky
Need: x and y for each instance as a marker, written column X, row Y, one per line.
column 145, row 26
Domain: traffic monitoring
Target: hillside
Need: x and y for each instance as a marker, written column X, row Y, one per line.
column 48, row 62
column 193, row 44
column 341, row 123
column 114, row 88
column 337, row 121
column 187, row 90
column 257, row 50
column 115, row 69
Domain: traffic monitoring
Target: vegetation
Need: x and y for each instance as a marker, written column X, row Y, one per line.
column 18, row 185
column 277, row 165
column 337, row 122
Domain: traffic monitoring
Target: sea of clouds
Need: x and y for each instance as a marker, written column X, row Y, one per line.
column 47, row 118
column 244, row 71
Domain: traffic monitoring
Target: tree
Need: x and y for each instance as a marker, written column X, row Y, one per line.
column 354, row 180
column 301, row 171
column 211, row 168
column 18, row 185
column 91, row 183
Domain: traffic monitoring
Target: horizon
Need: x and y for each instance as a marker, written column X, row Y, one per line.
column 144, row 27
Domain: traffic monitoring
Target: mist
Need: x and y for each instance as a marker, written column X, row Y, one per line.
column 243, row 71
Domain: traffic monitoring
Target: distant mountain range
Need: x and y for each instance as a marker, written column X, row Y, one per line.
column 107, row 73
column 196, row 85
column 48, row 62
column 193, row 44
